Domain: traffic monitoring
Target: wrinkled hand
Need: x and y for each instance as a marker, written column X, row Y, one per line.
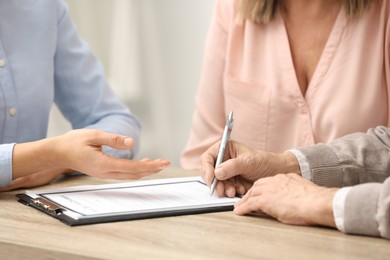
column 81, row 151
column 242, row 166
column 290, row 199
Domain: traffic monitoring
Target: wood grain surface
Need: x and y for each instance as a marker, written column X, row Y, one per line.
column 26, row 233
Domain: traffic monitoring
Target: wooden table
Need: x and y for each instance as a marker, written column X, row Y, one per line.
column 26, row 233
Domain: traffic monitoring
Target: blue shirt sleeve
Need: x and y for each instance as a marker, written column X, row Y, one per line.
column 81, row 91
column 6, row 163
column 44, row 60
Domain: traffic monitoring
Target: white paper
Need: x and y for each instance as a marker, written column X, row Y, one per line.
column 139, row 197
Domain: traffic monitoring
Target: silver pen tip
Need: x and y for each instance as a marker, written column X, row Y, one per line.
column 230, row 115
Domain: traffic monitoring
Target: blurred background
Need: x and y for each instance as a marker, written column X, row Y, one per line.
column 152, row 53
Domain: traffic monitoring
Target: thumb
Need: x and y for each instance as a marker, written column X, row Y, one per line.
column 228, row 169
column 115, row 141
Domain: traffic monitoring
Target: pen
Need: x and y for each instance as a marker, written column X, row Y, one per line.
column 221, row 151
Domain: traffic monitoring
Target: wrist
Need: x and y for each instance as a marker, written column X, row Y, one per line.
column 50, row 152
column 322, row 208
column 288, row 163
column 32, row 157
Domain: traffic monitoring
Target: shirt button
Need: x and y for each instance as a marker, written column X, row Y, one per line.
column 2, row 63
column 12, row 111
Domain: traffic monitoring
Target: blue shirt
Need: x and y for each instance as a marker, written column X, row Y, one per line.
column 44, row 61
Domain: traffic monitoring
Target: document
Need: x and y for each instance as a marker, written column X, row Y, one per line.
column 125, row 201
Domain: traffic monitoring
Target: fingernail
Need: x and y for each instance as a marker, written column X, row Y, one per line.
column 128, row 141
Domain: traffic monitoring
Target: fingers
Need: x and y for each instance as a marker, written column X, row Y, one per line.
column 123, row 169
column 126, row 176
column 207, row 163
column 33, row 180
column 227, row 169
column 251, row 202
column 242, row 161
column 251, row 205
column 236, row 161
column 207, row 170
column 91, row 160
column 241, row 189
column 231, row 188
column 16, row 184
column 220, row 189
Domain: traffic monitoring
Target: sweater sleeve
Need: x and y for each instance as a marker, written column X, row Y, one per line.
column 367, row 209
column 351, row 160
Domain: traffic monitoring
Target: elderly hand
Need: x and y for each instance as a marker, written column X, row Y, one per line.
column 290, row 199
column 242, row 166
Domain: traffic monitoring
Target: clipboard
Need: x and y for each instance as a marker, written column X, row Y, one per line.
column 81, row 205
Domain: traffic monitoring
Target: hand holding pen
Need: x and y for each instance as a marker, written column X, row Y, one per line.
column 222, row 147
column 238, row 167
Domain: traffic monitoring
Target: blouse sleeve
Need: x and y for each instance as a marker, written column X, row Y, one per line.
column 209, row 117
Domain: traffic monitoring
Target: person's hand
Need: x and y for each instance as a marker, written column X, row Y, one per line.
column 81, row 151
column 242, row 166
column 40, row 162
column 290, row 199
column 34, row 180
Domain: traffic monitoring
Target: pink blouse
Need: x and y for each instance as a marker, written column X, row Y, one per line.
column 248, row 69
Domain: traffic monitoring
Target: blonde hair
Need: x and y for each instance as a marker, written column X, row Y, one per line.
column 262, row 11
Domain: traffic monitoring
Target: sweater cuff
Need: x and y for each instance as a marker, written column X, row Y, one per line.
column 360, row 209
column 338, row 204
column 324, row 164
column 303, row 163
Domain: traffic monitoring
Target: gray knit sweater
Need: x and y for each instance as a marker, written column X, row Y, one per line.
column 362, row 161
